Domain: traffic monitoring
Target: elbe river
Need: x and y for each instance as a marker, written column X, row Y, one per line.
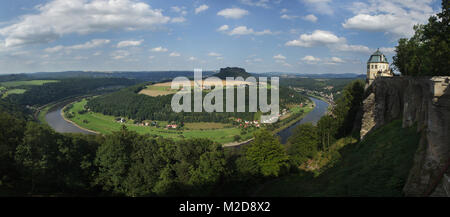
column 57, row 122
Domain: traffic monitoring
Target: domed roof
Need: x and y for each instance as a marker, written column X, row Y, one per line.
column 377, row 57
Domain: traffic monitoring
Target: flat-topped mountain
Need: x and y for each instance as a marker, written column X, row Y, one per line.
column 232, row 72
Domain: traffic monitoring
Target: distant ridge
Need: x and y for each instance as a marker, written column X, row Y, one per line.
column 311, row 75
column 232, row 72
column 138, row 75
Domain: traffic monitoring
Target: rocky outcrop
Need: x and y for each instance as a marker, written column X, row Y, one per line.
column 424, row 101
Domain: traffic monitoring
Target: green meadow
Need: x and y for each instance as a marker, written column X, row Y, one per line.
column 13, row 91
column 10, row 87
column 25, row 83
column 106, row 124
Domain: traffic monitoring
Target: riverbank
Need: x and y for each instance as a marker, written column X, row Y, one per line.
column 68, row 120
column 94, row 123
column 105, row 124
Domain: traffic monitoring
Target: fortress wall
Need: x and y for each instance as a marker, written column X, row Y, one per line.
column 421, row 100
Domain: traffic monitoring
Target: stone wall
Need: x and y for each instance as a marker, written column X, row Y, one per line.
column 421, row 100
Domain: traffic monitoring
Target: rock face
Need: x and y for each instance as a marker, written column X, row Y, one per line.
column 425, row 101
column 232, row 72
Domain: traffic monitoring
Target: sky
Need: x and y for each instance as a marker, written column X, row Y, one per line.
column 297, row 36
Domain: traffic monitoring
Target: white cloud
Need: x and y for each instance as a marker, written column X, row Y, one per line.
column 393, row 17
column 192, row 59
column 284, row 10
column 325, row 38
column 243, row 30
column 233, row 13
column 288, row 17
column 151, row 57
column 54, row 49
column 98, row 53
column 174, row 54
column 318, row 37
column 279, row 57
column 213, row 54
column 311, row 18
column 129, row 43
column 223, row 28
column 337, row 60
column 257, row 3
column 88, row 45
column 120, row 54
column 320, row 6
column 180, row 10
column 201, row 8
column 387, row 50
column 178, row 20
column 159, row 49
column 311, row 59
column 61, row 17
column 352, row 48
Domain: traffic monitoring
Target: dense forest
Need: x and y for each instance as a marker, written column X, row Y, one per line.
column 232, row 72
column 128, row 103
column 36, row 160
column 51, row 92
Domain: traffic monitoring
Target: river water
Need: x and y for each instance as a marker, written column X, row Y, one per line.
column 57, row 122
column 313, row 116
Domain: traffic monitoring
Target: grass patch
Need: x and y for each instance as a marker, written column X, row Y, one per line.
column 377, row 166
column 13, row 91
column 26, row 83
column 205, row 125
column 153, row 90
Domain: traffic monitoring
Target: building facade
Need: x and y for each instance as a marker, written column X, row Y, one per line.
column 378, row 66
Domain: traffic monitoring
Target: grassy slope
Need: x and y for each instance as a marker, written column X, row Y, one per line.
column 377, row 166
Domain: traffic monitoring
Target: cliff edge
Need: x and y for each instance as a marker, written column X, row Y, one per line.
column 421, row 100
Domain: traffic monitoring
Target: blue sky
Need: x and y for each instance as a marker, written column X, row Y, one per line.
column 300, row 36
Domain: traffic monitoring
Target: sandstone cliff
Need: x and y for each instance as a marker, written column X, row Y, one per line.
column 425, row 101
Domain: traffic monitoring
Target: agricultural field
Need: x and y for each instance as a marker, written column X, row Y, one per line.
column 162, row 89
column 11, row 87
column 25, row 83
column 105, row 124
column 13, row 91
column 153, row 90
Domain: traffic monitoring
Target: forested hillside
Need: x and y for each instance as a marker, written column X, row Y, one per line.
column 50, row 92
column 128, row 103
column 36, row 160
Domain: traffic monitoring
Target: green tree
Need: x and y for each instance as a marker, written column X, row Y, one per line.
column 113, row 160
column 267, row 153
column 11, row 134
column 37, row 156
column 303, row 143
column 327, row 131
column 347, row 106
column 426, row 53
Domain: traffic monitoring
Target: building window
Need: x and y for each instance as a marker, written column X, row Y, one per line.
column 376, row 66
